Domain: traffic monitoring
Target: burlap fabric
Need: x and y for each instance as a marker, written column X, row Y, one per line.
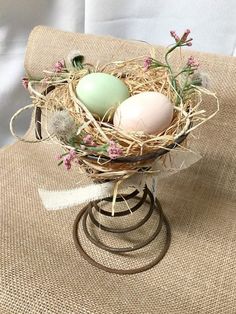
column 41, row 271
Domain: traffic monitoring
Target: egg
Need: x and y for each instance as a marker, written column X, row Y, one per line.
column 99, row 92
column 150, row 112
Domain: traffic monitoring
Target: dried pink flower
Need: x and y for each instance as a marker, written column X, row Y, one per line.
column 67, row 163
column 174, row 35
column 185, row 35
column 88, row 140
column 25, row 82
column 59, row 66
column 72, row 154
column 189, row 42
column 192, row 62
column 147, row 63
column 114, row 150
column 69, row 158
column 184, row 38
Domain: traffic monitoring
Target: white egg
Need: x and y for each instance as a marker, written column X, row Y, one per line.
column 150, row 112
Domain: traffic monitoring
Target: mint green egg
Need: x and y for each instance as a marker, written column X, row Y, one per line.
column 100, row 91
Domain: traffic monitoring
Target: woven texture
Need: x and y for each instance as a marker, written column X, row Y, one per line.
column 40, row 268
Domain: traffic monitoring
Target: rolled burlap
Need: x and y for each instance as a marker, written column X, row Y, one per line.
column 48, row 45
column 41, row 270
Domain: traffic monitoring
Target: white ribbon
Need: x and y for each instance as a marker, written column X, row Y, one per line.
column 53, row 200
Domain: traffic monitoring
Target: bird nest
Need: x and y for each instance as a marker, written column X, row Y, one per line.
column 95, row 144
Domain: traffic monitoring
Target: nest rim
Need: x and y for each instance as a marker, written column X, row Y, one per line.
column 144, row 157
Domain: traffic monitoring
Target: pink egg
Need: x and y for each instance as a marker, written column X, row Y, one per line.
column 150, row 112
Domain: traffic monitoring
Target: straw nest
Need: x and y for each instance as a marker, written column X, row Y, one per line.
column 188, row 115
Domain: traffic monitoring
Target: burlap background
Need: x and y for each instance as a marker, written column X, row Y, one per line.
column 40, row 269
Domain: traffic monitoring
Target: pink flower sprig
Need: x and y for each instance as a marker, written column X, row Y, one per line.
column 88, row 140
column 183, row 86
column 183, row 40
column 147, row 63
column 191, row 65
column 192, row 62
column 25, row 82
column 59, row 66
column 174, row 35
column 114, row 150
column 67, row 159
column 179, row 42
column 152, row 63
